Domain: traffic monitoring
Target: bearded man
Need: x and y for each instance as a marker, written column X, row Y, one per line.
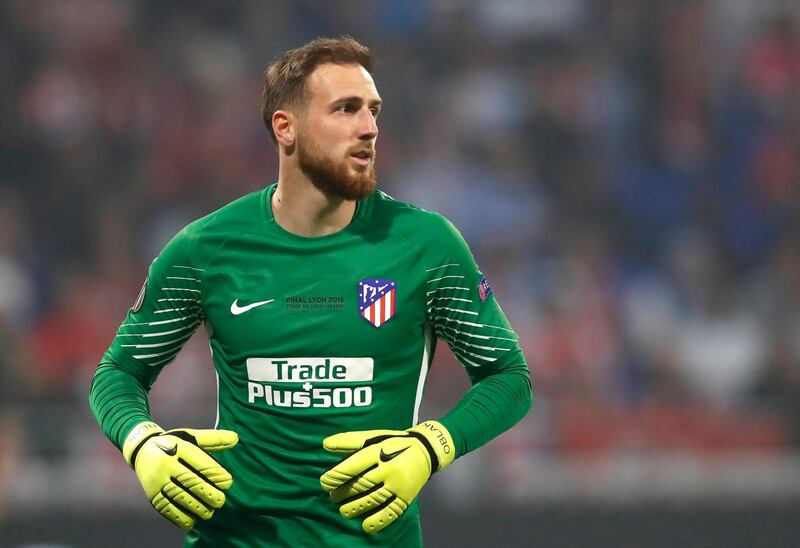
column 323, row 299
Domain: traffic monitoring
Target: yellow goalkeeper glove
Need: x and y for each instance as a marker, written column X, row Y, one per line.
column 386, row 470
column 178, row 475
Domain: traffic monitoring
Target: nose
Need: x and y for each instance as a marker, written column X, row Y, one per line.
column 367, row 127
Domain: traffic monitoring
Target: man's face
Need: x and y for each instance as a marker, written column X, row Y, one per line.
column 337, row 130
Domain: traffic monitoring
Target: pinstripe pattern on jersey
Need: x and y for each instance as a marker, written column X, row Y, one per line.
column 457, row 318
column 177, row 313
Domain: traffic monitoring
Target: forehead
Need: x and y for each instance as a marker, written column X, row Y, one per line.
column 330, row 81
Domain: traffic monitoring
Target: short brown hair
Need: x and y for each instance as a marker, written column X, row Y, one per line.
column 285, row 79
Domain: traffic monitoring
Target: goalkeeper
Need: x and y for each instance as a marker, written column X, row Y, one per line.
column 323, row 300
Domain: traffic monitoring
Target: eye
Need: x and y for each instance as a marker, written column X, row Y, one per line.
column 347, row 108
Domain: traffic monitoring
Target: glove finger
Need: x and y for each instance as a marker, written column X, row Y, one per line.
column 384, row 517
column 372, row 479
column 205, row 492
column 214, row 440
column 332, row 479
column 195, row 460
column 365, row 502
column 352, row 467
column 347, row 442
column 169, row 510
column 186, row 501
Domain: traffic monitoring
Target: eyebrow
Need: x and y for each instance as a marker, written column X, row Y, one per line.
column 356, row 99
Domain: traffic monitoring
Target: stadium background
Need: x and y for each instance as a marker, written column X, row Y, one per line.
column 627, row 173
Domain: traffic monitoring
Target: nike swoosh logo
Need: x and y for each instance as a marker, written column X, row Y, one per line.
column 170, row 450
column 386, row 457
column 236, row 309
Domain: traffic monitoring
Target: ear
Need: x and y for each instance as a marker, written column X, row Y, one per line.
column 283, row 123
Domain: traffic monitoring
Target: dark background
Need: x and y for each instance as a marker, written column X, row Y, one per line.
column 626, row 172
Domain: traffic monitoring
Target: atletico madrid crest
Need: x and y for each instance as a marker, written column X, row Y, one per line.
column 376, row 300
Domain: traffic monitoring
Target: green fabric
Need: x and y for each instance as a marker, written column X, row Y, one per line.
column 297, row 360
column 492, row 406
column 118, row 401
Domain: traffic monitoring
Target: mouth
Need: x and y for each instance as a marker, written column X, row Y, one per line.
column 362, row 157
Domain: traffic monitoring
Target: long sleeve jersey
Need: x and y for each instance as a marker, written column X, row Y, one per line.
column 310, row 337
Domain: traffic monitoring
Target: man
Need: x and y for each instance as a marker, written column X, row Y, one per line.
column 323, row 299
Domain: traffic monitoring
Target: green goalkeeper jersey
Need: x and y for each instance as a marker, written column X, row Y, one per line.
column 310, row 337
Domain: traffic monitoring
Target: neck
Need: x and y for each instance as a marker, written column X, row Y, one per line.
column 301, row 208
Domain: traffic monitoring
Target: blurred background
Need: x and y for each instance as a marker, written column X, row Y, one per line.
column 627, row 173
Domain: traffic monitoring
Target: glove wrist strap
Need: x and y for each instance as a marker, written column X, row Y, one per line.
column 136, row 438
column 429, row 448
column 437, row 441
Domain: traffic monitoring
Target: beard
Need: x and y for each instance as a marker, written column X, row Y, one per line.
column 337, row 178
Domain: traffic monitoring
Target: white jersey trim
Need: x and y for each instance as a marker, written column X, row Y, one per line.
column 423, row 372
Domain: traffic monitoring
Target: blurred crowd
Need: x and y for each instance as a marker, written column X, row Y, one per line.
column 627, row 174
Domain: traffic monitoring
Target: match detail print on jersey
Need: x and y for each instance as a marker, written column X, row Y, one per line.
column 377, row 300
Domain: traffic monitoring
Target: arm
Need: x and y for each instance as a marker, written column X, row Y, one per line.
column 167, row 312
column 491, row 407
column 386, row 469
column 463, row 311
column 178, row 476
column 118, row 400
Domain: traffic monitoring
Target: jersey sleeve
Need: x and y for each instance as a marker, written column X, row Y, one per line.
column 462, row 310
column 166, row 313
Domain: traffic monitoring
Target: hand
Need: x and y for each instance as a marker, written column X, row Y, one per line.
column 386, row 470
column 182, row 481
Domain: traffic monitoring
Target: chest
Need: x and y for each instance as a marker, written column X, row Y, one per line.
column 352, row 299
